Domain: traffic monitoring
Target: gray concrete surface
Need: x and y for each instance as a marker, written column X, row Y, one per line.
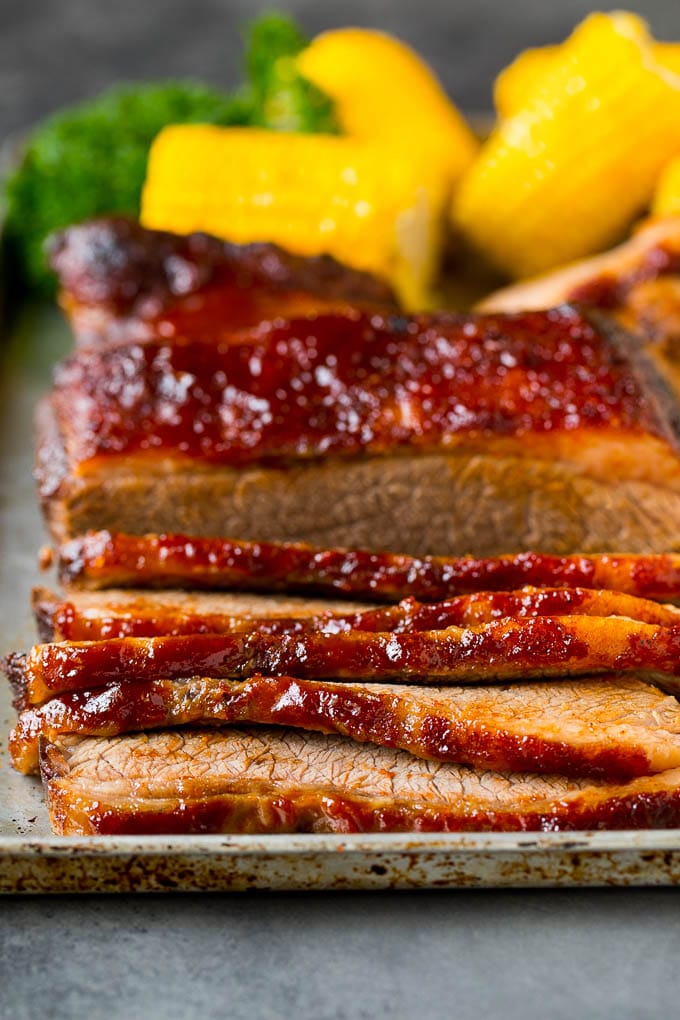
column 464, row 956
column 517, row 955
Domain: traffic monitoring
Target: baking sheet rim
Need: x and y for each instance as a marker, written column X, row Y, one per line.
column 271, row 845
column 20, row 849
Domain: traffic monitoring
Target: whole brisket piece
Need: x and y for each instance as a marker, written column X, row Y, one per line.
column 255, row 781
column 427, row 435
column 504, row 649
column 122, row 282
column 92, row 616
column 638, row 283
column 101, row 559
column 614, row 729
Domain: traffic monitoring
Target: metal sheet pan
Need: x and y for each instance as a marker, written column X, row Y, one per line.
column 33, row 860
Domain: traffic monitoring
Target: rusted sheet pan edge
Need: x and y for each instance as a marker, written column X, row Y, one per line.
column 336, row 862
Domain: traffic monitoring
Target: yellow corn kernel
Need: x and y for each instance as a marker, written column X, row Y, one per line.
column 312, row 194
column 667, row 195
column 384, row 92
column 516, row 82
column 566, row 175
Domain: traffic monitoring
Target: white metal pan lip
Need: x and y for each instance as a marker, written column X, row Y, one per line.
column 305, row 843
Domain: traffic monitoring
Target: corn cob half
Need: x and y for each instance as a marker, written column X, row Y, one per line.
column 565, row 176
column 312, row 194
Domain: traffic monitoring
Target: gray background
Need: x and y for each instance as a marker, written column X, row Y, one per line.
column 57, row 51
column 522, row 955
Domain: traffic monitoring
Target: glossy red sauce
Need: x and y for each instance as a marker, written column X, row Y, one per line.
column 343, row 385
column 225, row 310
column 659, row 648
column 103, row 559
column 144, row 284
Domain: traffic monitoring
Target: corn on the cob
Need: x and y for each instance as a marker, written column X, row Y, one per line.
column 384, row 92
column 566, row 175
column 516, row 82
column 309, row 193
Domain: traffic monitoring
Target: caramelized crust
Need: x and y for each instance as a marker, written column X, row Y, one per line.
column 504, row 649
column 613, row 729
column 120, row 281
column 552, row 385
column 241, row 781
column 103, row 559
column 145, row 615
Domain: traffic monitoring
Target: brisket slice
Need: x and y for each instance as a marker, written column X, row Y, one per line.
column 250, row 781
column 93, row 615
column 427, row 435
column 120, row 281
column 87, row 616
column 604, row 728
column 638, row 283
column 504, row 649
column 101, row 559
